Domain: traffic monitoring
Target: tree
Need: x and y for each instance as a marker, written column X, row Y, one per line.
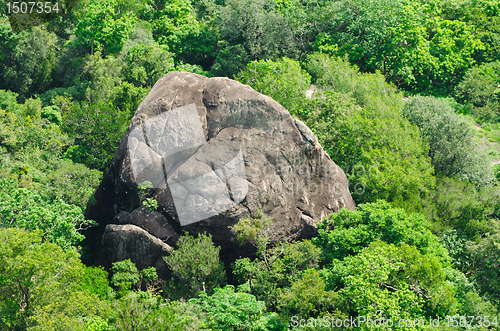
column 144, row 311
column 227, row 309
column 174, row 25
column 31, row 148
column 307, row 297
column 126, row 277
column 284, row 80
column 43, row 287
column 276, row 269
column 103, row 27
column 58, row 221
column 144, row 65
column 485, row 255
column 258, row 27
column 483, row 15
column 458, row 204
column 406, row 40
column 195, row 266
column 27, row 59
column 479, row 89
column 230, row 61
column 254, row 230
column 382, row 260
column 348, row 232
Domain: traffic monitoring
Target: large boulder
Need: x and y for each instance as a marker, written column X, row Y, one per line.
column 214, row 151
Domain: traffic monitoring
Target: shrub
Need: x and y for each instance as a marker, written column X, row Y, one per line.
column 451, row 139
column 307, row 297
column 276, row 269
column 125, row 275
column 195, row 267
column 486, row 257
column 52, row 114
column 457, row 204
column 230, row 61
column 143, row 311
column 480, row 85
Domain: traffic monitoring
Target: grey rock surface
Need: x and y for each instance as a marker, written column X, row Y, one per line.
column 121, row 242
column 285, row 170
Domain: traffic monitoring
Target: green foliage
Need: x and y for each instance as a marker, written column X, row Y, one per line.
column 258, row 27
column 87, row 124
column 458, row 204
column 375, row 281
column 307, row 297
column 381, row 259
column 194, row 68
column 254, row 230
column 483, row 14
column 452, row 148
column 93, row 66
column 230, row 61
column 75, row 153
column 285, row 81
column 146, row 64
column 108, row 105
column 52, row 114
column 151, row 203
column 41, row 286
column 348, row 119
column 149, row 275
column 348, row 232
column 195, row 267
column 227, row 309
column 22, row 128
column 23, row 208
column 27, row 58
column 480, row 85
column 174, row 24
column 145, row 201
column 276, row 269
column 455, row 243
column 407, row 40
column 486, row 258
column 103, row 27
column 143, row 311
column 31, row 148
column 480, row 89
column 125, row 275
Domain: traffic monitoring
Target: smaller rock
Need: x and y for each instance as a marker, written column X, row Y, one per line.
column 129, row 241
column 152, row 221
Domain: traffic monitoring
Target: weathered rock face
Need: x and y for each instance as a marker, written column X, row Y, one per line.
column 215, row 151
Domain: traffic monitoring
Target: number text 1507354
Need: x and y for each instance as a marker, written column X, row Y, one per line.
column 32, row 7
